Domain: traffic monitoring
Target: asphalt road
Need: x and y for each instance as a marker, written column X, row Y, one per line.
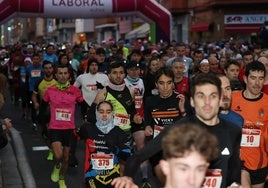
column 36, row 152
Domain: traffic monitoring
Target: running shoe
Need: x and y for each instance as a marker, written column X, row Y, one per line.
column 62, row 184
column 50, row 155
column 55, row 173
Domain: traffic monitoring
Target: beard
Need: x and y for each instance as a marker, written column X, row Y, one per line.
column 225, row 107
column 226, row 104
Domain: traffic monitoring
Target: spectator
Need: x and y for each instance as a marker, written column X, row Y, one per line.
column 4, row 60
column 3, row 85
column 15, row 62
column 5, row 125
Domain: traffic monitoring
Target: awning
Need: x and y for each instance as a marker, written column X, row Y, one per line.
column 105, row 25
column 140, row 32
column 242, row 28
column 200, row 27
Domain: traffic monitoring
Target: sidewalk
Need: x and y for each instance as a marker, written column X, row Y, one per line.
column 9, row 169
column 15, row 171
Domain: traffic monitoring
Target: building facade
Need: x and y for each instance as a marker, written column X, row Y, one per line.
column 214, row 20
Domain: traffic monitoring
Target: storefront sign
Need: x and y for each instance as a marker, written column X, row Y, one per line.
column 245, row 19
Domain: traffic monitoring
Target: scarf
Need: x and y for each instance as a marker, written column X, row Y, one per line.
column 62, row 87
column 132, row 80
column 117, row 87
column 104, row 126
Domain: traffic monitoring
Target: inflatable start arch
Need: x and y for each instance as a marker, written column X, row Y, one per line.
column 149, row 10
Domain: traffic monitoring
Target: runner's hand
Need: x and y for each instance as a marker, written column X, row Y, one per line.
column 148, row 131
column 123, row 182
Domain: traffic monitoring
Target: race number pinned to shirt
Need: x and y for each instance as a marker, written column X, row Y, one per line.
column 63, row 114
column 157, row 130
column 102, row 161
column 92, row 87
column 138, row 101
column 121, row 119
column 36, row 73
column 213, row 179
column 250, row 137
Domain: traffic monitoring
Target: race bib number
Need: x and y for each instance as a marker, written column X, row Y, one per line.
column 92, row 87
column 121, row 119
column 250, row 137
column 63, row 115
column 157, row 130
column 138, row 101
column 213, row 179
column 36, row 73
column 102, row 161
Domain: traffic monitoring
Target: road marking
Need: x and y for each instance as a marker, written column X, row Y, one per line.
column 40, row 148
